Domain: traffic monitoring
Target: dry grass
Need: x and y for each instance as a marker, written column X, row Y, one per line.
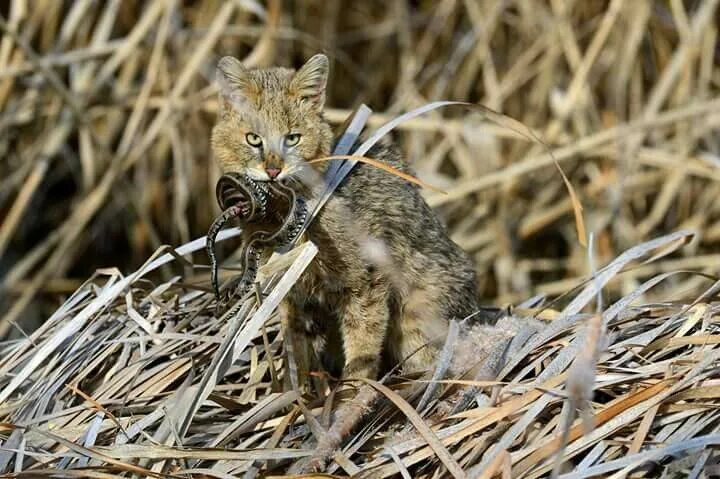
column 106, row 109
column 131, row 376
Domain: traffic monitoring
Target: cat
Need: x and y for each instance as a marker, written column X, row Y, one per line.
column 387, row 278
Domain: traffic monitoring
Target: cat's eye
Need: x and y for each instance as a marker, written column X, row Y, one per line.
column 253, row 139
column 292, row 139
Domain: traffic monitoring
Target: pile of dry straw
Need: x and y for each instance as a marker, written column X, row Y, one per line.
column 106, row 109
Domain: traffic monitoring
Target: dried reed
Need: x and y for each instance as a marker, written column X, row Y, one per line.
column 104, row 126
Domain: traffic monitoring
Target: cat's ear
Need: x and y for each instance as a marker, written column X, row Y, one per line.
column 236, row 87
column 310, row 81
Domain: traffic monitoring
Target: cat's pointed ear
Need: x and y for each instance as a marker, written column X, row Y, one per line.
column 310, row 81
column 235, row 85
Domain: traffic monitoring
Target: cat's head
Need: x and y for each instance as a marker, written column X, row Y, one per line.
column 270, row 121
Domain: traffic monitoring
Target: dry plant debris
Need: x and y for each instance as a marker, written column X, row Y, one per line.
column 107, row 107
column 132, row 377
column 105, row 110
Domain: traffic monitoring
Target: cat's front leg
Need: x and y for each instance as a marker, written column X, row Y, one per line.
column 297, row 345
column 364, row 324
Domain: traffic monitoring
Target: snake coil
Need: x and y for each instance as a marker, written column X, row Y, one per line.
column 254, row 203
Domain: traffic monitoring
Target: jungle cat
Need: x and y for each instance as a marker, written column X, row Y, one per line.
column 387, row 278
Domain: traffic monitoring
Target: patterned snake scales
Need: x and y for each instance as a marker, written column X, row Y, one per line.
column 259, row 205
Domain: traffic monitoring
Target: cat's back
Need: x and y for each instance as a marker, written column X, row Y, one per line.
column 392, row 208
column 374, row 204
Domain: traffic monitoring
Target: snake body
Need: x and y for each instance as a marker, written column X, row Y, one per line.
column 272, row 214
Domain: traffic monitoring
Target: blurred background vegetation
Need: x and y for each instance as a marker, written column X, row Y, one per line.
column 106, row 109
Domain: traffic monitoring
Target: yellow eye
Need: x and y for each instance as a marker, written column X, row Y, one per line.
column 253, row 139
column 292, row 139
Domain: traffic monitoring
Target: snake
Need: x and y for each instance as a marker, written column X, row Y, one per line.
column 273, row 217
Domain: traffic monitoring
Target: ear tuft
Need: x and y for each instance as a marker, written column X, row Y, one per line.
column 310, row 81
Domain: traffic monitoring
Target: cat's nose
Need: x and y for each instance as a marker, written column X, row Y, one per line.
column 272, row 172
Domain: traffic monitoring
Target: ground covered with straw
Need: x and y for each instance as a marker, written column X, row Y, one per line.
column 114, row 360
column 130, row 376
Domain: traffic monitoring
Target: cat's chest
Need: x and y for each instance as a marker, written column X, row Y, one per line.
column 321, row 279
column 323, row 282
column 338, row 267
